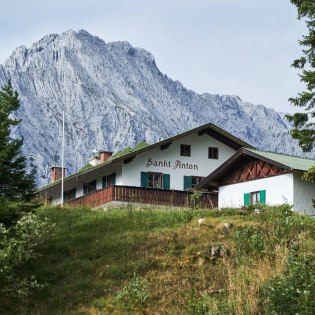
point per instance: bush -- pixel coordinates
(286, 224)
(293, 291)
(12, 211)
(17, 247)
(250, 242)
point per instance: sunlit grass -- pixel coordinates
(93, 255)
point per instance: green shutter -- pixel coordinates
(104, 181)
(262, 197)
(246, 199)
(65, 197)
(166, 181)
(144, 179)
(114, 179)
(187, 182)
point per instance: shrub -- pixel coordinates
(17, 247)
(188, 215)
(194, 199)
(12, 211)
(286, 224)
(249, 241)
(293, 291)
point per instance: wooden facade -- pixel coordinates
(251, 168)
(175, 198)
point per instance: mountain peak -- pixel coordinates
(115, 96)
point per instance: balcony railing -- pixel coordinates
(176, 198)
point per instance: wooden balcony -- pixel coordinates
(175, 198)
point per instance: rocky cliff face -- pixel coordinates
(114, 96)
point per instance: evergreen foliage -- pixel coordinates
(16, 183)
(303, 122)
(293, 291)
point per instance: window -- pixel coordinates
(213, 153)
(191, 181)
(89, 187)
(195, 180)
(255, 197)
(109, 180)
(69, 195)
(154, 180)
(185, 150)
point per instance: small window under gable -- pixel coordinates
(185, 150)
(213, 153)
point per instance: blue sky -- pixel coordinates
(237, 47)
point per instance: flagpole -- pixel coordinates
(62, 155)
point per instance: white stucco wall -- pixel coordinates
(303, 194)
(279, 189)
(200, 164)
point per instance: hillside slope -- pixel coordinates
(161, 261)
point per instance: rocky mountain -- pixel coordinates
(114, 96)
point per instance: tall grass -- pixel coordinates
(161, 261)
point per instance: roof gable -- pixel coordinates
(274, 163)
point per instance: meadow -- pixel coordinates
(161, 261)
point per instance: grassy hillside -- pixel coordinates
(140, 261)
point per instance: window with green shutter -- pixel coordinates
(255, 197)
(109, 180)
(187, 182)
(144, 179)
(246, 199)
(90, 187)
(262, 197)
(166, 181)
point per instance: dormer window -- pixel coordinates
(185, 150)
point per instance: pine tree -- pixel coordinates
(304, 122)
(16, 184)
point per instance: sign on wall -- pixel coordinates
(171, 164)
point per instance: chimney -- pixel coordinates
(105, 155)
(55, 173)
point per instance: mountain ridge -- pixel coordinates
(114, 96)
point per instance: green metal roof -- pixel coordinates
(293, 162)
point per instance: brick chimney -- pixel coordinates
(105, 155)
(55, 173)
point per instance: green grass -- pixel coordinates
(94, 257)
